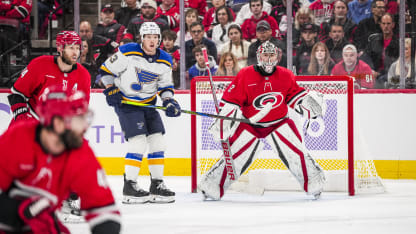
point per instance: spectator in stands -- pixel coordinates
(14, 25)
(359, 10)
(148, 13)
(125, 41)
(128, 10)
(199, 5)
(393, 76)
(321, 63)
(108, 26)
(87, 60)
(336, 42)
(171, 10)
(102, 47)
(44, 9)
(303, 52)
(219, 33)
(197, 33)
(168, 45)
(278, 12)
(264, 33)
(249, 25)
(228, 65)
(191, 15)
(303, 15)
(382, 50)
(369, 26)
(237, 45)
(340, 18)
(200, 68)
(350, 65)
(323, 10)
(210, 18)
(245, 11)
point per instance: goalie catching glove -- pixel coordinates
(172, 107)
(312, 105)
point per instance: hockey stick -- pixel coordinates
(225, 143)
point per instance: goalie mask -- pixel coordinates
(150, 28)
(267, 56)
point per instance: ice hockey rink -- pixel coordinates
(274, 212)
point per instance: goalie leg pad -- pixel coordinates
(244, 148)
(287, 142)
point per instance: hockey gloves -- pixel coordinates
(172, 107)
(113, 96)
(38, 214)
(19, 107)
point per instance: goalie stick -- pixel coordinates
(225, 143)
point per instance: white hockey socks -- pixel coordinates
(133, 160)
(156, 156)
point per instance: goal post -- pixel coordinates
(329, 140)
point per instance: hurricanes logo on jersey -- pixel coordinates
(144, 77)
(276, 98)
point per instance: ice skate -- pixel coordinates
(159, 193)
(133, 194)
(70, 211)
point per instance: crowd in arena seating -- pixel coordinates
(329, 37)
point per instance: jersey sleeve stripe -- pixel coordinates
(133, 53)
(295, 99)
(15, 91)
(167, 87)
(164, 61)
(104, 68)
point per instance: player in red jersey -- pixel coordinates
(255, 88)
(55, 160)
(351, 66)
(44, 71)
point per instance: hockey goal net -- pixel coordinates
(330, 140)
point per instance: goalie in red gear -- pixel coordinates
(44, 71)
(257, 88)
(55, 160)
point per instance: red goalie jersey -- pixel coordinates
(28, 171)
(251, 91)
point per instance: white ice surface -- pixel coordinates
(274, 212)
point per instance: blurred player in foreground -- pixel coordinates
(54, 161)
(138, 72)
(45, 71)
(273, 88)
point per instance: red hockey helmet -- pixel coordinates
(67, 38)
(57, 101)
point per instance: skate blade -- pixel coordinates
(70, 218)
(135, 200)
(161, 199)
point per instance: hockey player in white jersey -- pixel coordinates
(138, 73)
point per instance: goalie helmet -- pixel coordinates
(271, 62)
(57, 101)
(150, 28)
(68, 38)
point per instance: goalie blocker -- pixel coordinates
(253, 88)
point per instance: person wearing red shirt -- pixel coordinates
(209, 19)
(249, 25)
(200, 5)
(170, 9)
(350, 65)
(55, 160)
(47, 70)
(262, 93)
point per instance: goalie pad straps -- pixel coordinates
(244, 146)
(287, 142)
